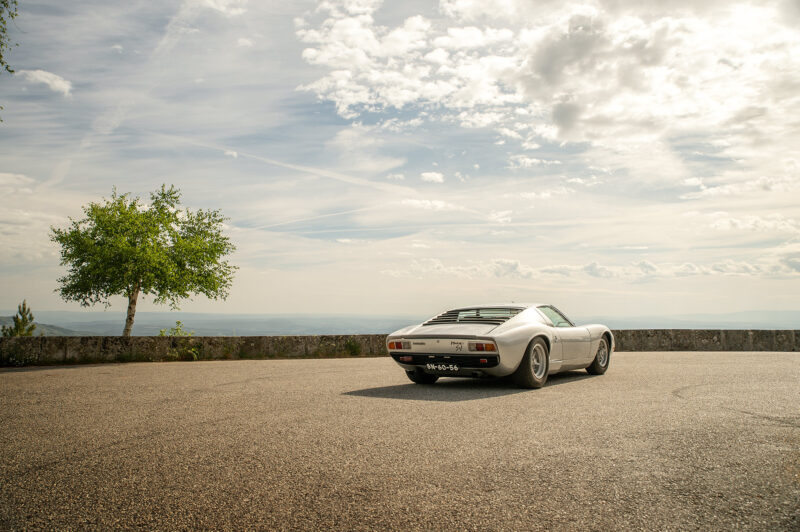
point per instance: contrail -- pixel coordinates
(382, 205)
(386, 187)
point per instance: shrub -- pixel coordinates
(178, 330)
(181, 351)
(352, 347)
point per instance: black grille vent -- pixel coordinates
(489, 315)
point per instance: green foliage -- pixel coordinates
(178, 330)
(23, 322)
(19, 356)
(181, 351)
(123, 247)
(8, 12)
(352, 347)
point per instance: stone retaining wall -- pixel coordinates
(706, 340)
(83, 349)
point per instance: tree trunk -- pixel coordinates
(132, 297)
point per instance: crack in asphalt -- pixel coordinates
(789, 421)
(678, 392)
(77, 457)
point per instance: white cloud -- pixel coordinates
(561, 270)
(511, 268)
(647, 267)
(360, 148)
(760, 184)
(590, 181)
(687, 269)
(231, 153)
(395, 124)
(410, 36)
(422, 268)
(395, 177)
(431, 205)
(11, 183)
(439, 56)
(228, 8)
(773, 222)
(244, 42)
(523, 161)
(500, 217)
(472, 37)
(792, 262)
(625, 82)
(469, 10)
(596, 270)
(546, 193)
(432, 177)
(730, 267)
(53, 81)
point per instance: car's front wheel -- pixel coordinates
(601, 360)
(532, 371)
(420, 377)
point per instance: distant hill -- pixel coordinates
(45, 329)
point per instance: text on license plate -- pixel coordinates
(442, 367)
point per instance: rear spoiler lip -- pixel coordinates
(443, 337)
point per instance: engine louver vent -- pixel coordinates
(475, 315)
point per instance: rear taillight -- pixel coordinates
(399, 345)
(482, 346)
(406, 358)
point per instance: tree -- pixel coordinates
(8, 12)
(123, 247)
(23, 322)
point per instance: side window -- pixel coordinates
(558, 319)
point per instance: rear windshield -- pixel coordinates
(488, 313)
(495, 315)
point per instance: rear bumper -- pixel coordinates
(462, 361)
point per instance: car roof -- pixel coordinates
(502, 305)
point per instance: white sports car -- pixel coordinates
(526, 341)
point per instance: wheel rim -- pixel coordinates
(538, 361)
(602, 353)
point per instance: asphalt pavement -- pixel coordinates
(663, 441)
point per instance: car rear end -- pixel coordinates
(446, 357)
(456, 343)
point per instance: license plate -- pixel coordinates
(442, 367)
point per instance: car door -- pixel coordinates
(574, 340)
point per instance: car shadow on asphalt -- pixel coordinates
(455, 389)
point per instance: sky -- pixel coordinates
(610, 157)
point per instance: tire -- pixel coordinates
(601, 360)
(420, 377)
(532, 371)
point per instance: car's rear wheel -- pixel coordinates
(532, 371)
(420, 377)
(601, 360)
